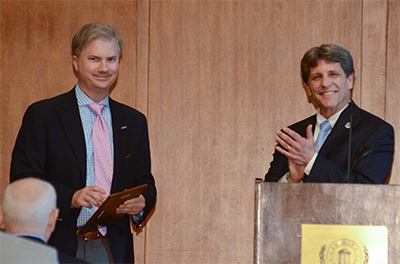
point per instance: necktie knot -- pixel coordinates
(325, 126)
(96, 108)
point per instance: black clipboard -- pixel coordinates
(106, 215)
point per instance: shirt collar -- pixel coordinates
(83, 99)
(29, 235)
(333, 119)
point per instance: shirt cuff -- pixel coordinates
(310, 164)
(284, 177)
(138, 218)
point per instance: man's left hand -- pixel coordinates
(132, 206)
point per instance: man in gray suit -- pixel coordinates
(29, 213)
(29, 210)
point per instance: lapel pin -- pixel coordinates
(124, 127)
(347, 125)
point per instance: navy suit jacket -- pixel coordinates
(371, 158)
(51, 145)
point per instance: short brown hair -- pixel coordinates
(94, 31)
(326, 52)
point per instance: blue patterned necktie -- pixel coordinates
(323, 134)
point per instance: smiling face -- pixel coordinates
(97, 67)
(329, 86)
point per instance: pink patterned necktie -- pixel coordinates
(103, 165)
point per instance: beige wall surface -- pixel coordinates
(215, 79)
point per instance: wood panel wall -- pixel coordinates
(215, 79)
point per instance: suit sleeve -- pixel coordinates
(371, 162)
(278, 168)
(144, 173)
(30, 158)
(29, 155)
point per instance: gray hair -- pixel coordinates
(28, 204)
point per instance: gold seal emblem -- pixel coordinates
(344, 251)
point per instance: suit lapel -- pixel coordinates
(120, 136)
(340, 131)
(71, 121)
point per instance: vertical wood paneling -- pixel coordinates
(393, 81)
(224, 76)
(141, 102)
(373, 69)
(216, 79)
(3, 163)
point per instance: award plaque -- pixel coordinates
(105, 215)
(339, 244)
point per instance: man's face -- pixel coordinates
(97, 67)
(329, 87)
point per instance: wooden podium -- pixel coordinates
(282, 208)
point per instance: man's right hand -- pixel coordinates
(88, 196)
(297, 149)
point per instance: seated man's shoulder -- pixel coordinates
(33, 252)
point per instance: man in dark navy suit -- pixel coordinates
(29, 211)
(316, 148)
(56, 143)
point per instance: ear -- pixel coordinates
(307, 88)
(75, 62)
(350, 81)
(52, 221)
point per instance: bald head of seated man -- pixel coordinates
(29, 210)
